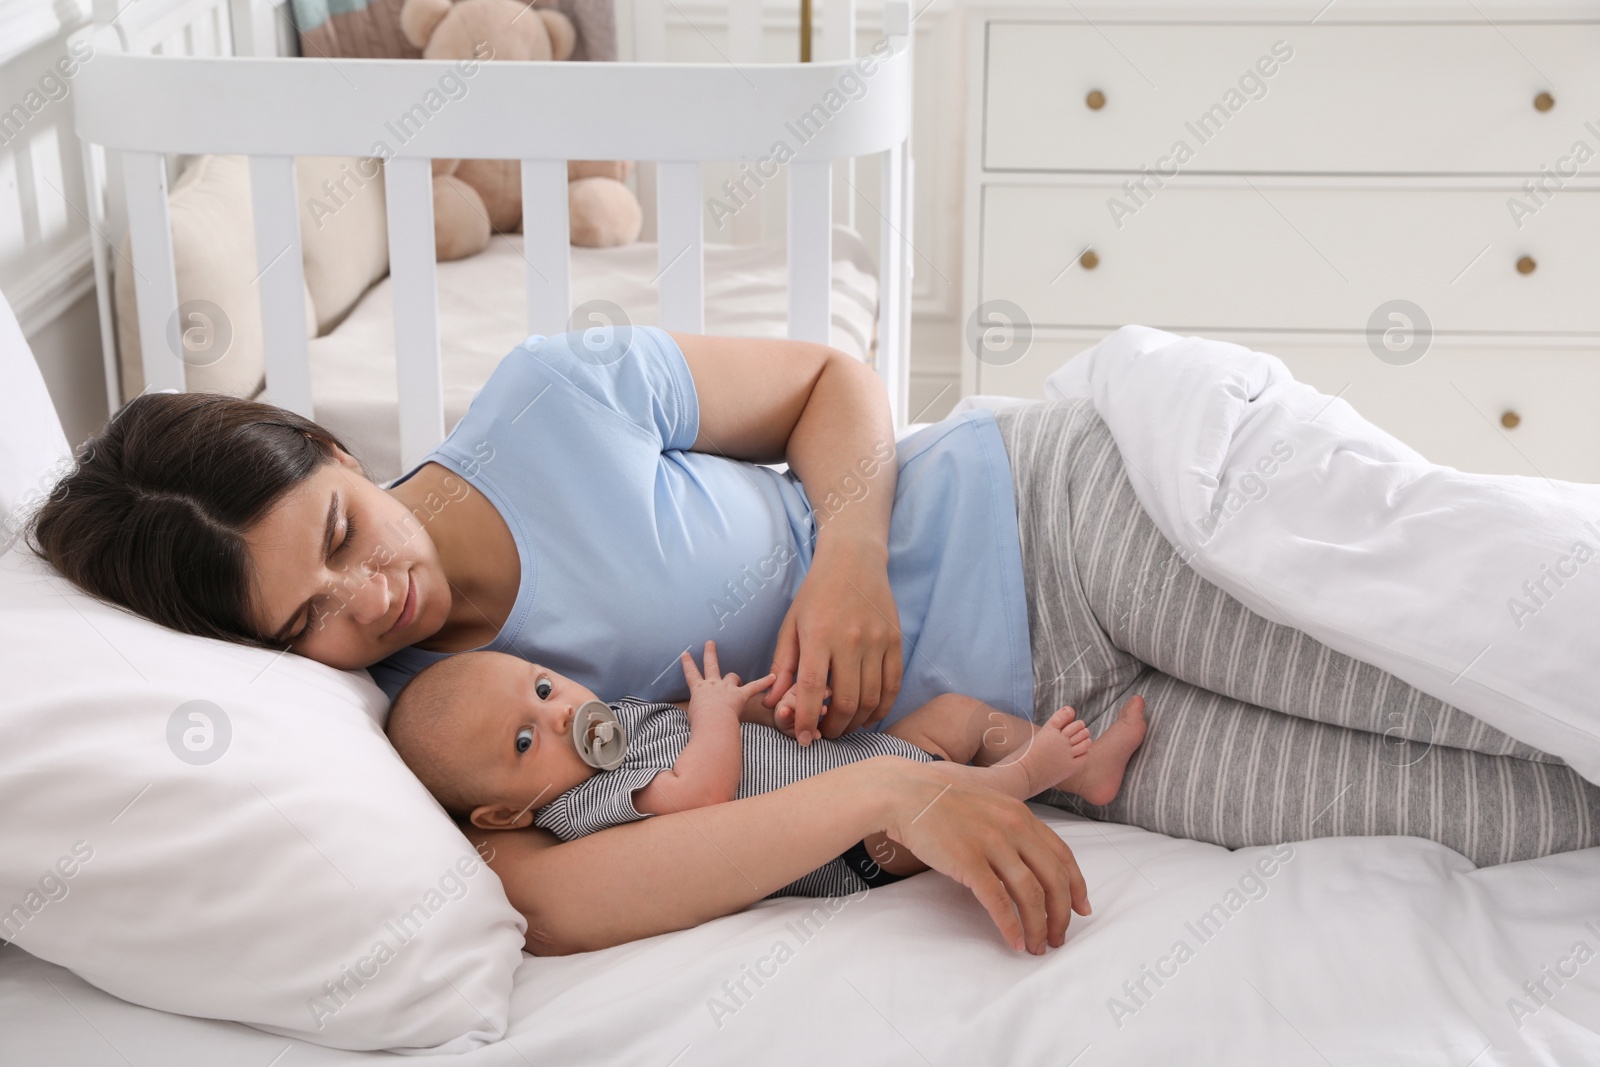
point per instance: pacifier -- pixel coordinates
(597, 735)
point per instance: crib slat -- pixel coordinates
(839, 42)
(546, 236)
(810, 250)
(27, 193)
(92, 160)
(144, 184)
(739, 111)
(408, 185)
(70, 152)
(894, 275)
(839, 31)
(680, 246)
(281, 279)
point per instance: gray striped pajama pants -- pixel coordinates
(1258, 733)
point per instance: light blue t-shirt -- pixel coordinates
(634, 548)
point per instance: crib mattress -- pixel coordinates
(482, 316)
(1350, 951)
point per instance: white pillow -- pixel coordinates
(214, 263)
(225, 832)
(344, 232)
(344, 243)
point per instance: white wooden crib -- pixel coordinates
(136, 107)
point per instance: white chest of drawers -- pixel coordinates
(1346, 193)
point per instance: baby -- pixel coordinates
(503, 743)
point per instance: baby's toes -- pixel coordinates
(1061, 719)
(1078, 734)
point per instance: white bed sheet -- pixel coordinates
(482, 316)
(1355, 951)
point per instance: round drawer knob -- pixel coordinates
(1544, 102)
(1097, 100)
(1510, 420)
(1089, 260)
(1527, 265)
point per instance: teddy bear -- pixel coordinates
(474, 197)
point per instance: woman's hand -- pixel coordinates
(1022, 873)
(841, 635)
(827, 414)
(681, 869)
(782, 716)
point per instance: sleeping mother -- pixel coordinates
(603, 506)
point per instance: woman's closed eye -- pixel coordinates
(349, 534)
(313, 614)
(314, 620)
(524, 739)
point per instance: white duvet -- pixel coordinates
(1338, 951)
(1482, 590)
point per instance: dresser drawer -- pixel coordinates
(1371, 99)
(1214, 254)
(1448, 406)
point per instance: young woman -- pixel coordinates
(602, 507)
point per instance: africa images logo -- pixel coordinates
(199, 732)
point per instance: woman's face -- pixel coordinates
(344, 574)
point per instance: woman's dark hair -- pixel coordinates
(152, 516)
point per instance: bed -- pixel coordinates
(1353, 951)
(1340, 950)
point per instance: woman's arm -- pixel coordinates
(671, 872)
(827, 415)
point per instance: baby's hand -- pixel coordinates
(783, 716)
(716, 693)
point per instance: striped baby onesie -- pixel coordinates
(657, 733)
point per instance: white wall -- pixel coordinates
(938, 147)
(68, 351)
(46, 271)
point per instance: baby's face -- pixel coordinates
(518, 735)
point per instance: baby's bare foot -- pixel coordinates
(1099, 775)
(1057, 750)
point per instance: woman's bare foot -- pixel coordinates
(1099, 776)
(1057, 750)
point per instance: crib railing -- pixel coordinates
(678, 115)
